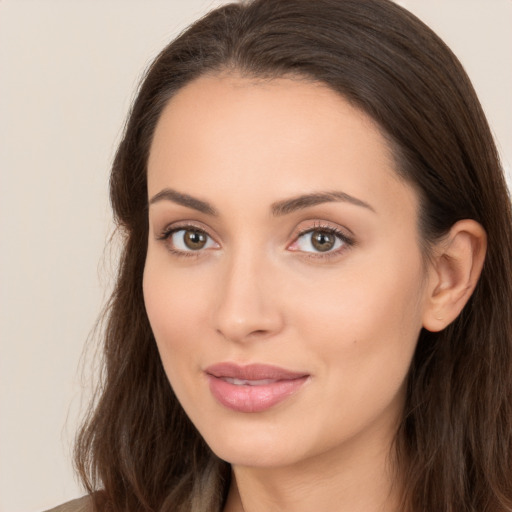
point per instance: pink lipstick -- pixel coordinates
(252, 388)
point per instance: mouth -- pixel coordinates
(243, 382)
(253, 388)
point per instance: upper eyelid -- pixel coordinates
(177, 226)
(338, 233)
(319, 225)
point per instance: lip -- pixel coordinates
(252, 388)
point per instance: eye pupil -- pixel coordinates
(322, 240)
(194, 239)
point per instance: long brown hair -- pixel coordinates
(455, 441)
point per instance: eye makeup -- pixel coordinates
(320, 240)
(325, 240)
(194, 241)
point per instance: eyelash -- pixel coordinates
(169, 231)
(346, 240)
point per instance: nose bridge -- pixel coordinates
(246, 307)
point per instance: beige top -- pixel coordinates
(83, 504)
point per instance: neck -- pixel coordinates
(356, 478)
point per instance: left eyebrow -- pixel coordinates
(305, 201)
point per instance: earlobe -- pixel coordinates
(455, 269)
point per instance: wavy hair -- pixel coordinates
(454, 443)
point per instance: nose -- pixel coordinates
(246, 308)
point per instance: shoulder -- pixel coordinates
(83, 504)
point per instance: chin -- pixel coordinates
(255, 457)
(254, 447)
(262, 444)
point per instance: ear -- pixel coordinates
(454, 271)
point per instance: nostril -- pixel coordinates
(231, 335)
(258, 332)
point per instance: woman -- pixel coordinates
(313, 307)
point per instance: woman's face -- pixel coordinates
(284, 281)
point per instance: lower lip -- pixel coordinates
(247, 398)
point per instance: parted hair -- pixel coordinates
(137, 450)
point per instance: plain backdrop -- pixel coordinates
(68, 71)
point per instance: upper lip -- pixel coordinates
(252, 372)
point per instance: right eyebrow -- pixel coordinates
(168, 194)
(305, 201)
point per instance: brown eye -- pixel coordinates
(190, 239)
(323, 240)
(320, 240)
(194, 239)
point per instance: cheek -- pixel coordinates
(174, 307)
(366, 320)
(356, 304)
(362, 329)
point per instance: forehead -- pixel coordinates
(269, 139)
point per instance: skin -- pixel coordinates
(259, 291)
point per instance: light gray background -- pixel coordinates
(68, 70)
